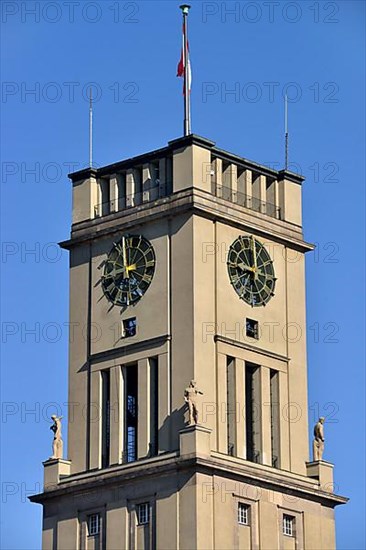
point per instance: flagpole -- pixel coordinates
(286, 134)
(90, 129)
(187, 99)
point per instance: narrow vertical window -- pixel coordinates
(243, 513)
(213, 175)
(121, 183)
(153, 192)
(138, 185)
(256, 192)
(288, 525)
(275, 420)
(230, 402)
(252, 412)
(271, 197)
(105, 196)
(154, 399)
(241, 187)
(155, 173)
(131, 413)
(145, 527)
(226, 181)
(169, 175)
(93, 525)
(143, 513)
(105, 418)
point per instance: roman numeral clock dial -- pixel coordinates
(251, 271)
(129, 270)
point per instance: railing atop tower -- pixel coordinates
(250, 202)
(186, 163)
(158, 192)
(124, 202)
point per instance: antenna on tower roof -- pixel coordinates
(90, 128)
(286, 133)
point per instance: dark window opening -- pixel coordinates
(275, 419)
(154, 399)
(155, 173)
(105, 418)
(129, 327)
(252, 328)
(131, 413)
(230, 404)
(252, 421)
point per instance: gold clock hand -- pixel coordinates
(254, 258)
(125, 268)
(244, 267)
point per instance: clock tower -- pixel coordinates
(187, 264)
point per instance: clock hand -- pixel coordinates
(125, 268)
(243, 267)
(254, 258)
(266, 275)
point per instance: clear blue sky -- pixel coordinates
(314, 50)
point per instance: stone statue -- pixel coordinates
(318, 442)
(190, 397)
(57, 444)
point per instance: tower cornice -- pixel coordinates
(197, 202)
(171, 464)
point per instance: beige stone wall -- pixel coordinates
(151, 311)
(190, 320)
(78, 354)
(190, 511)
(281, 346)
(191, 299)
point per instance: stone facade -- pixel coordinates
(230, 481)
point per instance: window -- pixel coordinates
(106, 432)
(155, 173)
(154, 411)
(105, 197)
(231, 405)
(275, 418)
(143, 513)
(130, 377)
(93, 524)
(129, 327)
(288, 525)
(252, 418)
(252, 328)
(243, 513)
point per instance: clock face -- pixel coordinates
(251, 271)
(129, 270)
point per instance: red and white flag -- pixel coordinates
(185, 63)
